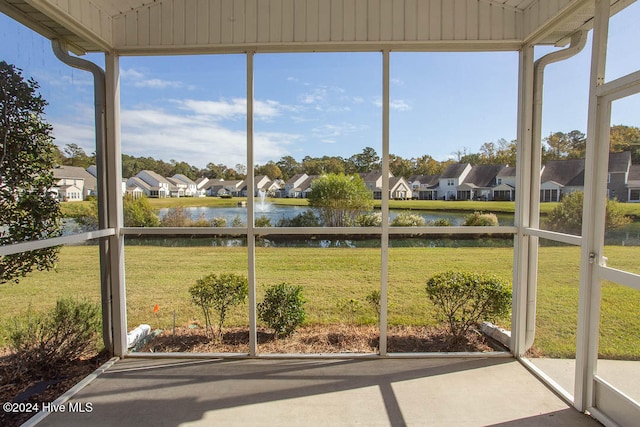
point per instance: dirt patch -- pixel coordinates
(325, 339)
(44, 387)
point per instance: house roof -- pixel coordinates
(154, 175)
(396, 181)
(184, 179)
(135, 181)
(175, 26)
(427, 180)
(454, 170)
(563, 172)
(506, 172)
(75, 172)
(483, 175)
(619, 162)
(634, 173)
(295, 178)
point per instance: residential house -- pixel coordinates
(307, 185)
(190, 187)
(373, 181)
(424, 187)
(292, 186)
(68, 193)
(159, 186)
(215, 187)
(201, 184)
(451, 178)
(137, 188)
(176, 188)
(234, 187)
(505, 188)
(399, 188)
(560, 177)
(77, 177)
(633, 184)
(478, 184)
(619, 165)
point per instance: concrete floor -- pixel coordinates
(317, 392)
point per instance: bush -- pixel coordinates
(218, 222)
(566, 217)
(64, 334)
(220, 293)
(263, 221)
(373, 219)
(462, 300)
(138, 212)
(305, 219)
(440, 222)
(283, 308)
(481, 219)
(373, 298)
(176, 217)
(351, 307)
(407, 219)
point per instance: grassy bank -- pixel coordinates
(331, 277)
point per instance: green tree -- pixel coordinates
(566, 217)
(28, 209)
(340, 198)
(76, 156)
(139, 213)
(366, 161)
(400, 167)
(269, 169)
(289, 167)
(626, 138)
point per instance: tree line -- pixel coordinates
(556, 146)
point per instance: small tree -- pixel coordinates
(566, 217)
(139, 213)
(462, 299)
(219, 293)
(481, 219)
(283, 308)
(340, 198)
(28, 208)
(371, 219)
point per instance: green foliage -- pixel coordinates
(407, 219)
(340, 198)
(566, 217)
(373, 298)
(371, 219)
(349, 306)
(283, 308)
(440, 222)
(41, 341)
(176, 217)
(237, 222)
(305, 219)
(219, 293)
(263, 221)
(28, 209)
(462, 300)
(218, 222)
(481, 219)
(139, 213)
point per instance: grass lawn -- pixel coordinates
(331, 277)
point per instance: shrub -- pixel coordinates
(41, 341)
(263, 221)
(566, 217)
(283, 308)
(176, 217)
(305, 219)
(218, 222)
(220, 293)
(462, 299)
(373, 298)
(350, 307)
(373, 219)
(237, 222)
(202, 221)
(407, 219)
(440, 222)
(481, 219)
(138, 212)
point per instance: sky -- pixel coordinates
(193, 108)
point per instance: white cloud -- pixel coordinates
(329, 132)
(394, 104)
(139, 79)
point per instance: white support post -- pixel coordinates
(593, 217)
(113, 160)
(523, 202)
(384, 238)
(251, 241)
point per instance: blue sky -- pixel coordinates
(192, 108)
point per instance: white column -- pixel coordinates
(593, 217)
(114, 203)
(522, 218)
(251, 241)
(384, 238)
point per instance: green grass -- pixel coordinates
(163, 275)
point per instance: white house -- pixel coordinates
(159, 186)
(451, 178)
(292, 186)
(189, 186)
(77, 177)
(633, 184)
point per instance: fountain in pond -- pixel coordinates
(262, 205)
